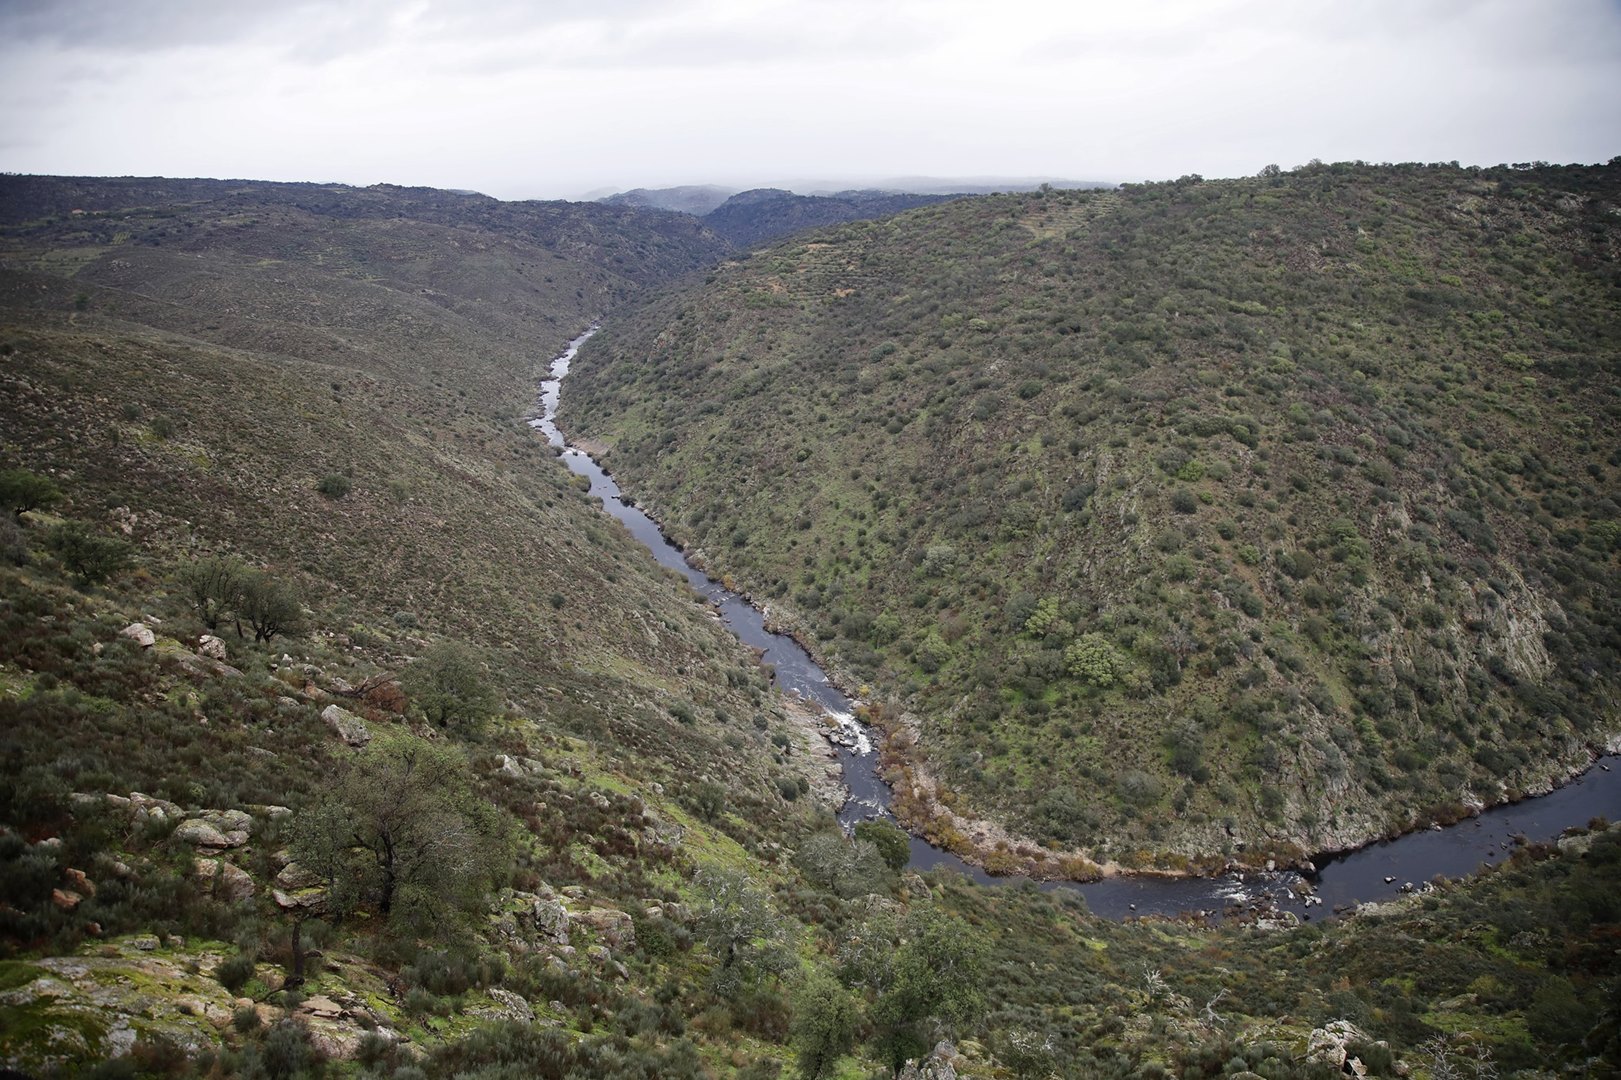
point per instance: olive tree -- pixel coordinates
(736, 921)
(449, 686)
(823, 1026)
(404, 830)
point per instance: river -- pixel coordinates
(1377, 872)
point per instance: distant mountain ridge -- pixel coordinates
(694, 199)
(754, 216)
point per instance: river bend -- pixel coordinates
(1376, 872)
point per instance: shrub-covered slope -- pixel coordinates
(1276, 511)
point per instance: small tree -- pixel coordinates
(934, 980)
(403, 829)
(269, 606)
(823, 1026)
(736, 922)
(22, 491)
(89, 558)
(448, 685)
(215, 586)
(844, 867)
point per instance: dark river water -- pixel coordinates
(1357, 877)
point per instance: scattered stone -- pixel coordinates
(144, 942)
(141, 634)
(599, 800)
(79, 882)
(348, 727)
(66, 899)
(212, 647)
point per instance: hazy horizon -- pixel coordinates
(568, 98)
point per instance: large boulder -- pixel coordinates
(224, 881)
(298, 889)
(551, 919)
(507, 1006)
(200, 834)
(141, 634)
(348, 727)
(228, 821)
(1330, 1045)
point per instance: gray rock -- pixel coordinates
(199, 833)
(294, 877)
(348, 727)
(224, 881)
(141, 634)
(508, 1006)
(228, 821)
(212, 647)
(614, 927)
(145, 808)
(551, 919)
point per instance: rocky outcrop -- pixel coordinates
(75, 1012)
(615, 928)
(941, 1064)
(141, 634)
(298, 889)
(1331, 1043)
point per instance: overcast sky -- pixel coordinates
(555, 98)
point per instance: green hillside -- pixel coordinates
(462, 785)
(1274, 513)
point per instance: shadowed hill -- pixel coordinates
(754, 217)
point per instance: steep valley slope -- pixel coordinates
(1272, 514)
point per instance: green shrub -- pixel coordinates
(334, 485)
(234, 971)
(1092, 659)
